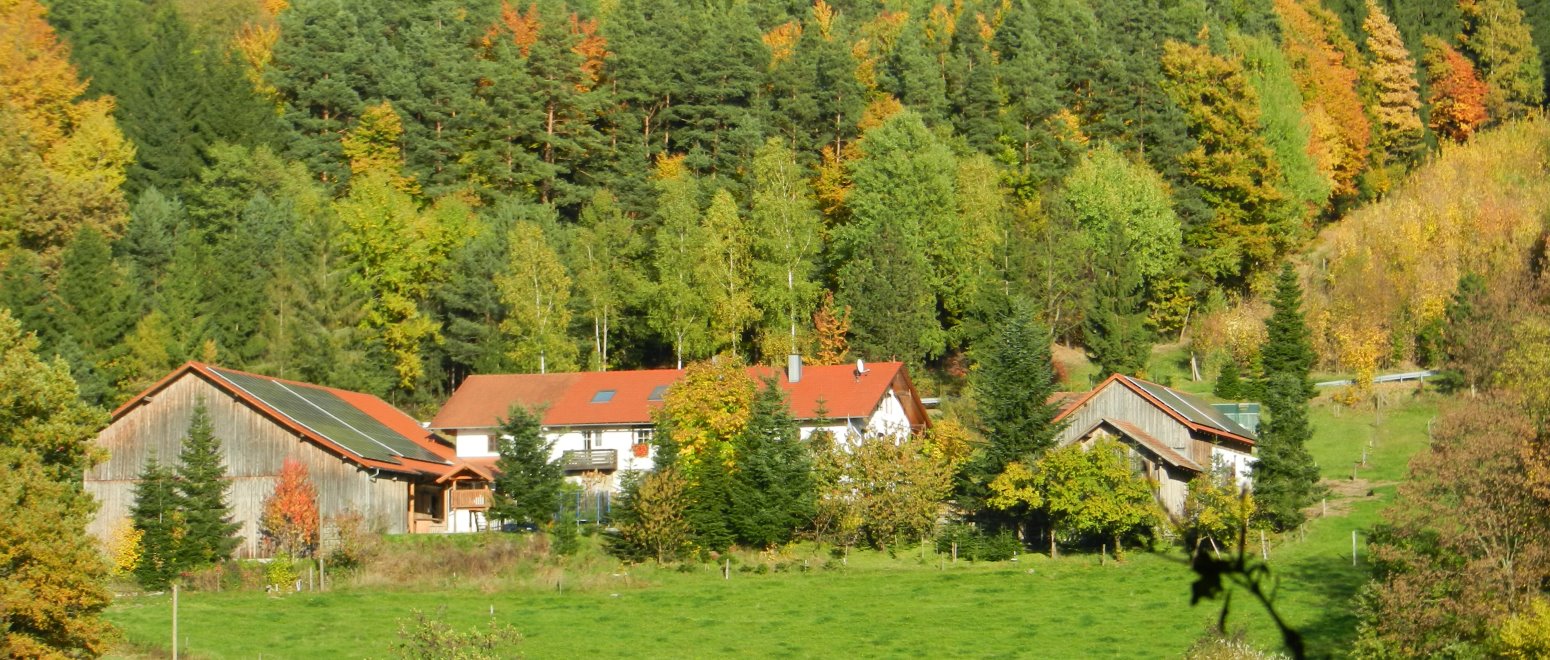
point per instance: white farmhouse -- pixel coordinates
(600, 421)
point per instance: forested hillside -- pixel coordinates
(389, 196)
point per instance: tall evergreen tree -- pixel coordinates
(1285, 476)
(529, 485)
(1288, 349)
(888, 290)
(1012, 381)
(772, 490)
(23, 291)
(157, 513)
(210, 535)
(94, 309)
(1115, 328)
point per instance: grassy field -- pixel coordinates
(877, 606)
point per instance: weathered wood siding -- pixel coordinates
(1169, 484)
(1119, 402)
(254, 446)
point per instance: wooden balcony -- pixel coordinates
(472, 498)
(590, 460)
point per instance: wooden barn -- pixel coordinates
(363, 454)
(1173, 436)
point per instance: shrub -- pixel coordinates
(281, 574)
(1215, 645)
(566, 537)
(975, 545)
(356, 543)
(124, 547)
(430, 638)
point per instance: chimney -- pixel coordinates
(794, 368)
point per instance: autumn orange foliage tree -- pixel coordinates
(1326, 67)
(1457, 95)
(290, 516)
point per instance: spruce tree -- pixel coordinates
(1228, 384)
(23, 291)
(202, 486)
(1115, 327)
(1012, 382)
(157, 514)
(772, 493)
(1288, 349)
(529, 485)
(1285, 476)
(887, 288)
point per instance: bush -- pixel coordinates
(975, 545)
(566, 538)
(281, 574)
(1217, 646)
(431, 638)
(356, 543)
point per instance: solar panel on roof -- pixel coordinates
(326, 414)
(1193, 409)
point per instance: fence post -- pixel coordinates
(174, 621)
(1353, 547)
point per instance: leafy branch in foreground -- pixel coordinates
(1216, 574)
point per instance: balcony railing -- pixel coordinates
(473, 498)
(588, 460)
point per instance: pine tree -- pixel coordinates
(157, 513)
(46, 447)
(94, 309)
(24, 293)
(1285, 476)
(1229, 385)
(772, 492)
(1496, 34)
(887, 288)
(202, 486)
(1394, 76)
(530, 482)
(1115, 328)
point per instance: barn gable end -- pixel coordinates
(254, 446)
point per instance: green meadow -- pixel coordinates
(807, 603)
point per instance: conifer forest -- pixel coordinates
(388, 196)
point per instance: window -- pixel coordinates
(591, 439)
(495, 444)
(643, 435)
(656, 393)
(603, 396)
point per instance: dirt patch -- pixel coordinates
(1343, 494)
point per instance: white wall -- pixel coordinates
(473, 444)
(1240, 463)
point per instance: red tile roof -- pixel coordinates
(371, 406)
(488, 399)
(567, 399)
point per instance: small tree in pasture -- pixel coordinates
(290, 516)
(651, 515)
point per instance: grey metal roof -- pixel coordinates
(1192, 408)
